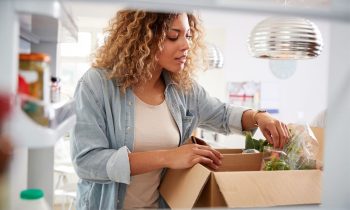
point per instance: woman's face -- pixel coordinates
(176, 45)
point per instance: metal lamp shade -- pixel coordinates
(215, 57)
(285, 38)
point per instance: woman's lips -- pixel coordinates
(181, 59)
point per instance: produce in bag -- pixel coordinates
(301, 148)
(298, 154)
(273, 159)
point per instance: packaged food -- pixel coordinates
(274, 159)
(302, 148)
(32, 199)
(34, 69)
(55, 90)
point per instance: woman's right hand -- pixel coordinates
(188, 155)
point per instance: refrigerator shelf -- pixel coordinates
(25, 132)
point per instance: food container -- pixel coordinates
(34, 69)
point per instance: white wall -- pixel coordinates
(304, 92)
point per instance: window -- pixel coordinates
(82, 48)
(75, 60)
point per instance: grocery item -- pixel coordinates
(32, 199)
(302, 148)
(37, 111)
(252, 143)
(274, 159)
(276, 164)
(55, 90)
(298, 154)
(35, 71)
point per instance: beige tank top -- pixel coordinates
(155, 129)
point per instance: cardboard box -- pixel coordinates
(319, 134)
(240, 183)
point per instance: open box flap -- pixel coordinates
(319, 134)
(241, 162)
(269, 188)
(181, 188)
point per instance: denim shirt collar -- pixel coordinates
(167, 78)
(165, 74)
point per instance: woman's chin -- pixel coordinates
(176, 70)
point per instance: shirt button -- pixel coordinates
(128, 128)
(130, 103)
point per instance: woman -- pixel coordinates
(138, 105)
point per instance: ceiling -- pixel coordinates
(95, 14)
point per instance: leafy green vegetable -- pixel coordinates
(276, 164)
(251, 143)
(298, 151)
(307, 164)
(296, 154)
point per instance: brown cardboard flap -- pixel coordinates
(230, 151)
(319, 134)
(270, 188)
(181, 188)
(241, 162)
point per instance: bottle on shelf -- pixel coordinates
(55, 90)
(32, 199)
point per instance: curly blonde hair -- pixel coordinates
(134, 38)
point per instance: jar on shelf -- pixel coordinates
(34, 68)
(32, 199)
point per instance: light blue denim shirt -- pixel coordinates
(104, 133)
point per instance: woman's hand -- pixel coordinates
(188, 155)
(275, 132)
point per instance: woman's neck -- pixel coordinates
(155, 82)
(152, 92)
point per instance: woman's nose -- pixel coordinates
(185, 44)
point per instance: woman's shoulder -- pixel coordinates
(196, 87)
(97, 81)
(94, 76)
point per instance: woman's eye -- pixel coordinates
(189, 38)
(172, 38)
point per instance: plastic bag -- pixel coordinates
(274, 159)
(302, 148)
(298, 154)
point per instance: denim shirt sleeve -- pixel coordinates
(215, 115)
(92, 155)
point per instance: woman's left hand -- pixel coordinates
(275, 132)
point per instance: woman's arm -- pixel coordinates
(92, 155)
(224, 118)
(181, 157)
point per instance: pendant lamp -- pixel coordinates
(215, 57)
(285, 38)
